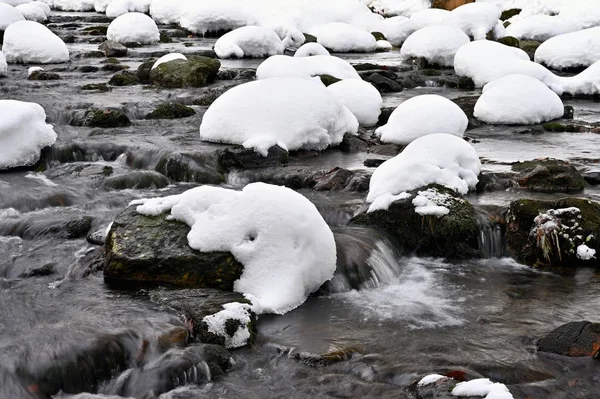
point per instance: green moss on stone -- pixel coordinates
(103, 87)
(171, 111)
(124, 79)
(507, 14)
(509, 41)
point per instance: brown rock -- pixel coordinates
(449, 4)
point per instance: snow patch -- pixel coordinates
(475, 19)
(32, 12)
(430, 379)
(585, 253)
(249, 41)
(241, 312)
(3, 65)
(8, 15)
(133, 27)
(433, 203)
(482, 387)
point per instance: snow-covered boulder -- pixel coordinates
(32, 42)
(8, 15)
(475, 19)
(383, 45)
(518, 99)
(399, 7)
(576, 49)
(251, 42)
(165, 11)
(340, 37)
(438, 158)
(423, 115)
(279, 66)
(23, 133)
(133, 27)
(117, 8)
(100, 5)
(32, 12)
(290, 112)
(285, 246)
(3, 66)
(540, 27)
(201, 17)
(73, 5)
(14, 3)
(310, 49)
(169, 57)
(436, 44)
(429, 17)
(397, 29)
(360, 97)
(45, 7)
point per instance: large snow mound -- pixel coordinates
(249, 41)
(32, 42)
(310, 49)
(117, 8)
(539, 27)
(435, 158)
(8, 15)
(32, 12)
(291, 112)
(436, 44)
(576, 49)
(429, 17)
(287, 249)
(305, 67)
(73, 5)
(422, 115)
(360, 97)
(23, 133)
(518, 99)
(165, 11)
(133, 27)
(344, 38)
(475, 19)
(397, 29)
(3, 66)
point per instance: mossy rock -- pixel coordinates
(114, 67)
(507, 14)
(88, 68)
(328, 79)
(510, 41)
(105, 118)
(308, 38)
(194, 72)
(549, 176)
(378, 36)
(43, 75)
(210, 95)
(171, 111)
(164, 38)
(453, 236)
(111, 60)
(143, 71)
(152, 249)
(431, 72)
(529, 46)
(200, 168)
(537, 243)
(102, 87)
(561, 127)
(124, 78)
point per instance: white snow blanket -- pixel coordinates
(423, 115)
(341, 37)
(476, 19)
(518, 99)
(576, 49)
(8, 15)
(540, 27)
(360, 97)
(133, 27)
(439, 158)
(279, 66)
(255, 42)
(23, 133)
(287, 249)
(310, 49)
(429, 17)
(116, 8)
(436, 44)
(290, 112)
(32, 42)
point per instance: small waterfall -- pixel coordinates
(492, 233)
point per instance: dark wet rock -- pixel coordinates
(197, 364)
(334, 180)
(384, 116)
(549, 232)
(43, 75)
(592, 177)
(386, 149)
(165, 38)
(509, 41)
(309, 38)
(562, 127)
(449, 4)
(549, 176)
(210, 95)
(143, 71)
(104, 118)
(466, 83)
(124, 78)
(116, 68)
(329, 358)
(153, 249)
(133, 44)
(196, 304)
(171, 110)
(507, 14)
(371, 67)
(67, 39)
(378, 36)
(191, 167)
(88, 69)
(529, 46)
(195, 72)
(137, 179)
(574, 339)
(96, 237)
(238, 157)
(383, 84)
(467, 104)
(34, 225)
(96, 30)
(353, 143)
(93, 54)
(491, 181)
(569, 112)
(451, 236)
(101, 87)
(441, 389)
(359, 182)
(113, 49)
(45, 270)
(373, 162)
(328, 79)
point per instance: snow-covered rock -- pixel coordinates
(279, 66)
(31, 70)
(585, 253)
(169, 57)
(100, 5)
(341, 37)
(422, 115)
(23, 133)
(8, 15)
(518, 99)
(439, 158)
(475, 19)
(166, 11)
(14, 3)
(290, 112)
(399, 7)
(3, 66)
(310, 49)
(32, 42)
(482, 387)
(383, 45)
(207, 16)
(117, 8)
(253, 42)
(429, 17)
(241, 312)
(397, 29)
(32, 12)
(73, 5)
(436, 44)
(539, 27)
(133, 27)
(45, 7)
(576, 49)
(360, 97)
(287, 249)
(430, 379)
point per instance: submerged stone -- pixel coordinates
(105, 118)
(113, 49)
(194, 72)
(575, 339)
(549, 176)
(143, 71)
(171, 110)
(137, 179)
(124, 78)
(239, 157)
(43, 75)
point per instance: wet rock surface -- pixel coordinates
(549, 176)
(575, 339)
